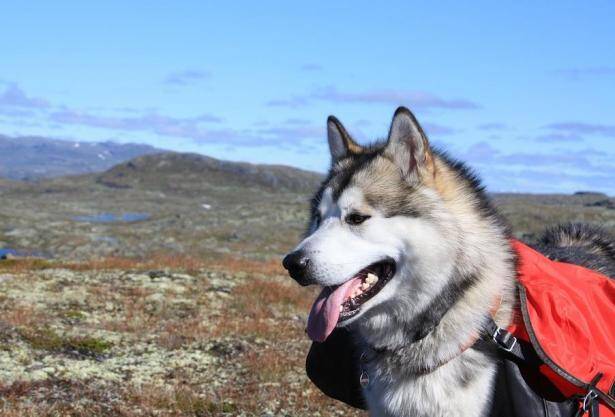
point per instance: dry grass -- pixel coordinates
(21, 265)
(188, 263)
(21, 315)
(254, 329)
(59, 398)
(261, 294)
(267, 308)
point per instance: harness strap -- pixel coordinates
(509, 344)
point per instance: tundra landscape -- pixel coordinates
(155, 288)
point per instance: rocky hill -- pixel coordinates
(169, 202)
(183, 171)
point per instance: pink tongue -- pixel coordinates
(326, 310)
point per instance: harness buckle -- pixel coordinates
(504, 338)
(364, 378)
(589, 399)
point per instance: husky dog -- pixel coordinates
(412, 257)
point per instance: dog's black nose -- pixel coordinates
(296, 263)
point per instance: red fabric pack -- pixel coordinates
(568, 315)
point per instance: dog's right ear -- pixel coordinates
(340, 142)
(407, 145)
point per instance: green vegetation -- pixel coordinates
(47, 339)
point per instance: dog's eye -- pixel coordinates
(356, 218)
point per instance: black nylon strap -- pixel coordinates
(509, 344)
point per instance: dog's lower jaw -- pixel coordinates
(461, 387)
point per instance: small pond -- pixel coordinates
(113, 218)
(7, 251)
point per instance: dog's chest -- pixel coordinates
(452, 391)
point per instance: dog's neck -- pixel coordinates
(442, 328)
(428, 332)
(425, 325)
(406, 376)
(370, 353)
(434, 337)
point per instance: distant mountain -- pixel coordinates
(191, 171)
(29, 157)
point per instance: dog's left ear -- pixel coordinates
(341, 143)
(407, 145)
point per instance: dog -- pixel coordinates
(411, 256)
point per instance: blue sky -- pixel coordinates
(524, 92)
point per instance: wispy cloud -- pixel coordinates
(560, 137)
(587, 72)
(195, 128)
(15, 103)
(152, 121)
(188, 127)
(583, 128)
(14, 96)
(17, 112)
(186, 77)
(311, 67)
(541, 180)
(581, 163)
(415, 99)
(363, 123)
(480, 152)
(296, 121)
(494, 126)
(568, 159)
(484, 153)
(541, 171)
(292, 133)
(292, 102)
(437, 129)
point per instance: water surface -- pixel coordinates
(7, 251)
(128, 217)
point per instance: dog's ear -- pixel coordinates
(340, 142)
(407, 145)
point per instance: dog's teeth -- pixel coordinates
(341, 307)
(371, 278)
(365, 286)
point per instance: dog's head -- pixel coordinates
(378, 239)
